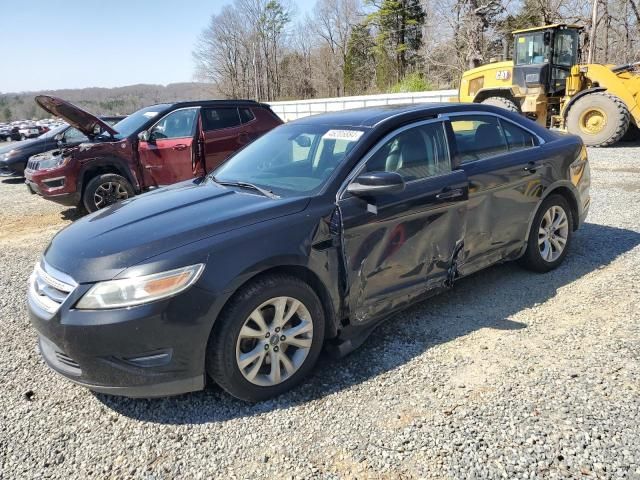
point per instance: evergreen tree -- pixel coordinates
(398, 41)
(359, 68)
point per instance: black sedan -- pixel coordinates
(14, 156)
(308, 237)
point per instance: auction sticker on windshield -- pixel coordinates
(349, 135)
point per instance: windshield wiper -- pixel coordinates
(266, 193)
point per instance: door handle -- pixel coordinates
(530, 168)
(244, 137)
(452, 194)
(150, 167)
(180, 146)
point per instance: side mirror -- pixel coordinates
(144, 136)
(59, 137)
(376, 183)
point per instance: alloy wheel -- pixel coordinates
(109, 193)
(553, 233)
(274, 341)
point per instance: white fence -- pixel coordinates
(303, 108)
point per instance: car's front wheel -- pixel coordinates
(267, 339)
(550, 235)
(104, 190)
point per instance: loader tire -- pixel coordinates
(502, 102)
(599, 118)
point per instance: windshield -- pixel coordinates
(54, 131)
(531, 49)
(291, 159)
(137, 119)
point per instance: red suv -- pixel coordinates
(157, 145)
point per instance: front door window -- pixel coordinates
(179, 124)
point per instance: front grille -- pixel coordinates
(48, 288)
(33, 164)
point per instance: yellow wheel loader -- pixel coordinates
(546, 82)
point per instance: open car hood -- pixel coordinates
(87, 123)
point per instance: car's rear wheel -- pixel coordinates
(267, 339)
(550, 236)
(104, 190)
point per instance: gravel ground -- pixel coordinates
(510, 375)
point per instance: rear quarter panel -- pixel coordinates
(563, 174)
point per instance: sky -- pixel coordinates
(54, 44)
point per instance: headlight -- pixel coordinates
(53, 162)
(137, 290)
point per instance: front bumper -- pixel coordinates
(151, 350)
(64, 365)
(51, 188)
(12, 170)
(57, 185)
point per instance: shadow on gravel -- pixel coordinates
(484, 300)
(13, 180)
(71, 214)
(625, 144)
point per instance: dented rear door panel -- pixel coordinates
(397, 247)
(503, 194)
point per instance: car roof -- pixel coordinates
(215, 103)
(369, 117)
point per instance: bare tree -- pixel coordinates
(333, 22)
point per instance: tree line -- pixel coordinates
(103, 101)
(259, 49)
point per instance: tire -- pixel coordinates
(600, 119)
(502, 102)
(534, 257)
(109, 186)
(226, 344)
(23, 137)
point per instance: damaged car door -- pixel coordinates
(168, 148)
(398, 243)
(504, 188)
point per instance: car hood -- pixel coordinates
(87, 123)
(101, 245)
(16, 145)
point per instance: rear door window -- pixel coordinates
(246, 115)
(517, 138)
(478, 137)
(219, 118)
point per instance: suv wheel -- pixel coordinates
(550, 235)
(104, 190)
(267, 339)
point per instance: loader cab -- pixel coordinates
(543, 57)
